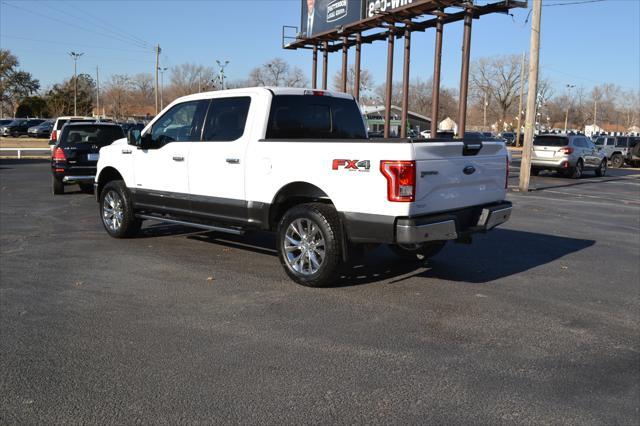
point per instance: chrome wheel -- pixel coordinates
(113, 211)
(304, 246)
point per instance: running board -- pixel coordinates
(233, 231)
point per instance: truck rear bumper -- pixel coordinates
(452, 225)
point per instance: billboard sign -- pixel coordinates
(373, 6)
(319, 16)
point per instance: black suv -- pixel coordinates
(75, 155)
(19, 127)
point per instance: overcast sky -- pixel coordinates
(582, 44)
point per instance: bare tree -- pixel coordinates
(117, 96)
(143, 90)
(366, 81)
(187, 79)
(277, 72)
(497, 79)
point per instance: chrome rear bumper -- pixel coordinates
(78, 179)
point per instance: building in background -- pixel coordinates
(374, 117)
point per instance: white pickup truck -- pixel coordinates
(299, 162)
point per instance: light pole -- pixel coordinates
(75, 57)
(566, 117)
(222, 67)
(162, 70)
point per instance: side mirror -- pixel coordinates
(133, 137)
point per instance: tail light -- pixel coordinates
(566, 150)
(401, 180)
(506, 178)
(59, 155)
(54, 135)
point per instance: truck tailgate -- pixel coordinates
(450, 177)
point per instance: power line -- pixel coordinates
(125, 38)
(111, 27)
(50, 18)
(72, 43)
(573, 3)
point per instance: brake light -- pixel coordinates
(401, 180)
(566, 150)
(316, 93)
(59, 155)
(54, 135)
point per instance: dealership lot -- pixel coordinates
(536, 322)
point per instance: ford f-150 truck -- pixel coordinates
(299, 162)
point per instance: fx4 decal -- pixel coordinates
(352, 165)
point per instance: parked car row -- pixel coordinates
(51, 128)
(19, 126)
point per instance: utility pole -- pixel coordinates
(534, 62)
(162, 70)
(75, 57)
(566, 117)
(98, 91)
(520, 102)
(158, 50)
(222, 67)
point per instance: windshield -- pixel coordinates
(314, 117)
(550, 141)
(90, 134)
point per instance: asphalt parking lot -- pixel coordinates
(535, 323)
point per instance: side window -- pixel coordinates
(226, 119)
(182, 123)
(600, 141)
(621, 142)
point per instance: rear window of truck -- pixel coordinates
(550, 141)
(314, 117)
(90, 134)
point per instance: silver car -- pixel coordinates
(567, 154)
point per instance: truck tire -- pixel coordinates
(57, 187)
(419, 252)
(116, 211)
(602, 168)
(310, 244)
(617, 161)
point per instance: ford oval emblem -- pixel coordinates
(469, 170)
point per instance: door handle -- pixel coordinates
(233, 160)
(126, 151)
(178, 158)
